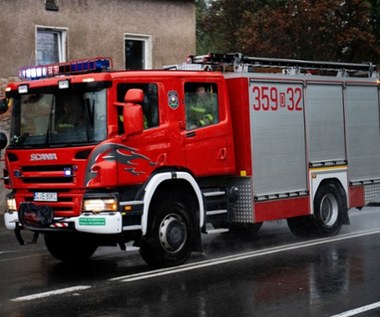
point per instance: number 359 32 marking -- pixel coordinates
(272, 99)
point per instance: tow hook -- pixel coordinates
(20, 239)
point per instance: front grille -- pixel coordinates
(59, 180)
(48, 174)
(45, 168)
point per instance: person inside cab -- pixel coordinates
(201, 108)
(71, 114)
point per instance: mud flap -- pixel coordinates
(346, 219)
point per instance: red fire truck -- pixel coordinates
(158, 157)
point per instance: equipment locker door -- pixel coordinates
(325, 124)
(278, 138)
(363, 130)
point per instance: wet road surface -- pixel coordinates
(271, 273)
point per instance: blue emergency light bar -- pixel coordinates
(80, 66)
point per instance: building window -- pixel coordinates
(50, 5)
(50, 45)
(137, 52)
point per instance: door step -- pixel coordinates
(216, 212)
(219, 230)
(216, 203)
(210, 229)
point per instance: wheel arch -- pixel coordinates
(320, 180)
(320, 177)
(343, 191)
(179, 183)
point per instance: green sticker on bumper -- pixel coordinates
(92, 221)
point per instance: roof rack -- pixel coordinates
(240, 62)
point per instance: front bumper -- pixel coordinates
(100, 223)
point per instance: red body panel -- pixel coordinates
(280, 209)
(239, 99)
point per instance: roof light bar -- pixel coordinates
(80, 66)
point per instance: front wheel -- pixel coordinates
(170, 236)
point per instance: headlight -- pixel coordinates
(99, 204)
(11, 203)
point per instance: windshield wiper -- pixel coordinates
(47, 139)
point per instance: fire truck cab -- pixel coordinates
(158, 157)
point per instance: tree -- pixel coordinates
(375, 18)
(220, 21)
(203, 40)
(306, 29)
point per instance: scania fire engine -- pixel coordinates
(159, 157)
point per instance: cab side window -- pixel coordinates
(201, 103)
(149, 105)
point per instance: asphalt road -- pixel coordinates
(272, 273)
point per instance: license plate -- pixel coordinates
(42, 196)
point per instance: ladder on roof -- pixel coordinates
(239, 62)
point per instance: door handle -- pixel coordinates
(222, 154)
(191, 134)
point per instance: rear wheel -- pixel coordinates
(245, 228)
(170, 236)
(70, 246)
(301, 226)
(329, 209)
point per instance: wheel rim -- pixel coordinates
(173, 233)
(329, 210)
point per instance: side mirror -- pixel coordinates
(3, 105)
(134, 96)
(132, 112)
(3, 140)
(133, 119)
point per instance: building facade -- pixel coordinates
(134, 33)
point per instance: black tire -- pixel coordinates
(329, 209)
(301, 226)
(170, 236)
(248, 229)
(71, 247)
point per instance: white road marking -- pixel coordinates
(358, 310)
(23, 257)
(206, 263)
(240, 257)
(51, 293)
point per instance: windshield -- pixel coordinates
(57, 118)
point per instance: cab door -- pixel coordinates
(206, 129)
(144, 152)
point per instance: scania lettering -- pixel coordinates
(42, 157)
(159, 158)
